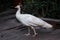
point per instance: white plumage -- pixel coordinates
(31, 21)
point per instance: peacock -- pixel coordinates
(31, 21)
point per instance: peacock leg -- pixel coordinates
(34, 31)
(28, 32)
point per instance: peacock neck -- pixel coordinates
(18, 12)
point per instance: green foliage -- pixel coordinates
(40, 8)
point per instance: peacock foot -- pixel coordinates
(27, 34)
(35, 35)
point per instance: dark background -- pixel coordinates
(51, 8)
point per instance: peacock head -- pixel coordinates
(18, 6)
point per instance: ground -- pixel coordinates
(9, 30)
(19, 35)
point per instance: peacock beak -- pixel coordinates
(15, 6)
